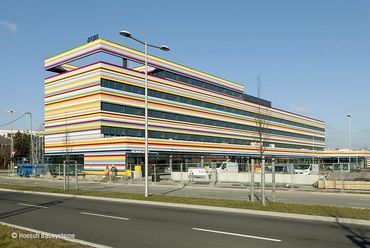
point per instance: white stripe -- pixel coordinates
(106, 216)
(236, 234)
(362, 204)
(31, 205)
(83, 242)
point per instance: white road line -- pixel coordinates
(31, 205)
(236, 234)
(106, 216)
(361, 204)
(79, 241)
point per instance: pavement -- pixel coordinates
(338, 199)
(118, 224)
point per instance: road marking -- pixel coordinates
(79, 241)
(362, 204)
(236, 234)
(31, 205)
(106, 216)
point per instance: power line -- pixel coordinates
(12, 121)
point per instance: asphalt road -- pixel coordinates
(135, 225)
(303, 197)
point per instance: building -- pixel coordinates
(4, 142)
(94, 113)
(7, 133)
(342, 156)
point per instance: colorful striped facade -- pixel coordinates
(97, 111)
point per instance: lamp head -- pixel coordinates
(125, 33)
(164, 48)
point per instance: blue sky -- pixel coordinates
(313, 56)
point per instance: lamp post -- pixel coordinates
(12, 112)
(349, 138)
(146, 45)
(349, 152)
(31, 147)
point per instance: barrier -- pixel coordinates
(347, 185)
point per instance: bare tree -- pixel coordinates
(67, 150)
(262, 136)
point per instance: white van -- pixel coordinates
(284, 169)
(227, 167)
(306, 169)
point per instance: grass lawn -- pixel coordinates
(6, 240)
(340, 212)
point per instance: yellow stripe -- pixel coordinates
(75, 50)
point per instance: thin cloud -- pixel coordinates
(8, 25)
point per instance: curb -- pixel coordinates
(208, 208)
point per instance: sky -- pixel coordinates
(313, 56)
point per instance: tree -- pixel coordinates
(22, 142)
(4, 152)
(262, 136)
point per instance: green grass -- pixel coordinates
(6, 240)
(339, 212)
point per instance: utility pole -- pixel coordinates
(349, 150)
(263, 197)
(32, 157)
(12, 112)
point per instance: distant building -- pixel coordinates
(4, 141)
(7, 132)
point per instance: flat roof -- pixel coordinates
(105, 46)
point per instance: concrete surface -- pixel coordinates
(135, 225)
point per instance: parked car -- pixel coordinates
(306, 169)
(346, 168)
(228, 167)
(284, 168)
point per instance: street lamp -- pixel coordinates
(127, 34)
(349, 138)
(12, 112)
(31, 153)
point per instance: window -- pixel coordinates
(196, 82)
(187, 100)
(192, 119)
